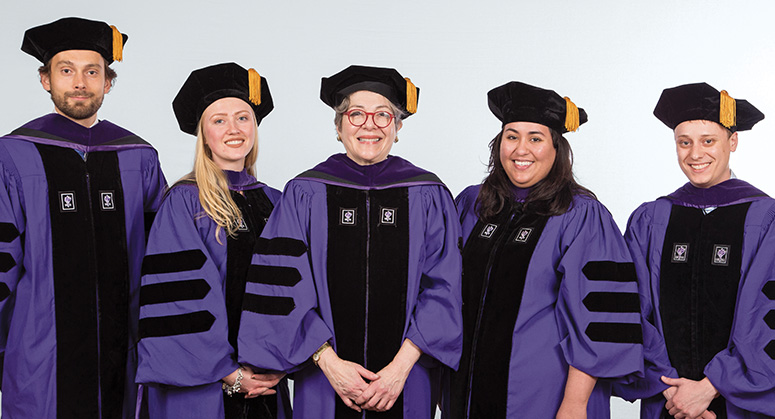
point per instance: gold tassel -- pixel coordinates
(254, 86)
(411, 96)
(571, 115)
(727, 113)
(118, 44)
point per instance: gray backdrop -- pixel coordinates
(611, 57)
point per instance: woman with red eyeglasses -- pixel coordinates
(355, 284)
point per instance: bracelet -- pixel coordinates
(316, 355)
(233, 389)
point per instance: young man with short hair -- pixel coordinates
(78, 197)
(705, 258)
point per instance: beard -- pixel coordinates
(79, 110)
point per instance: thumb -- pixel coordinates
(671, 381)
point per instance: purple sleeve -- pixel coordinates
(465, 203)
(281, 326)
(273, 194)
(597, 307)
(744, 373)
(436, 324)
(639, 238)
(155, 183)
(183, 322)
(11, 252)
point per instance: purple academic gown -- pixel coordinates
(190, 304)
(707, 283)
(541, 293)
(363, 257)
(72, 238)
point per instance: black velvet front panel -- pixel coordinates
(368, 248)
(88, 234)
(700, 274)
(495, 262)
(255, 207)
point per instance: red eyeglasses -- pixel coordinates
(358, 117)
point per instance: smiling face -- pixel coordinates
(703, 149)
(229, 128)
(368, 144)
(77, 84)
(526, 152)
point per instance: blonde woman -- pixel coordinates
(198, 256)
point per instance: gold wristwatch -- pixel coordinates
(316, 355)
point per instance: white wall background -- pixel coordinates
(611, 57)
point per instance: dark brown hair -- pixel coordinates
(110, 74)
(552, 195)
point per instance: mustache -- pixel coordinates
(79, 94)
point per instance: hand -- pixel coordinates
(252, 384)
(382, 393)
(691, 398)
(669, 392)
(256, 384)
(572, 410)
(345, 377)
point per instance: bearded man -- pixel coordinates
(79, 194)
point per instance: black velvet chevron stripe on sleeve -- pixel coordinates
(181, 324)
(271, 305)
(769, 318)
(612, 302)
(769, 290)
(606, 270)
(162, 263)
(6, 262)
(4, 291)
(274, 275)
(282, 246)
(8, 232)
(167, 292)
(615, 332)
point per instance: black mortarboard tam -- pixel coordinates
(700, 101)
(206, 85)
(45, 41)
(520, 102)
(385, 81)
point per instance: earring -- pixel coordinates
(338, 138)
(396, 140)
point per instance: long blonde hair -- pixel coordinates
(214, 194)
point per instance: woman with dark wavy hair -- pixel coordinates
(550, 302)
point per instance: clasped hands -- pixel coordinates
(254, 384)
(688, 398)
(361, 389)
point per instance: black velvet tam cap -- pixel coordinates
(45, 41)
(385, 81)
(206, 85)
(520, 102)
(700, 101)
